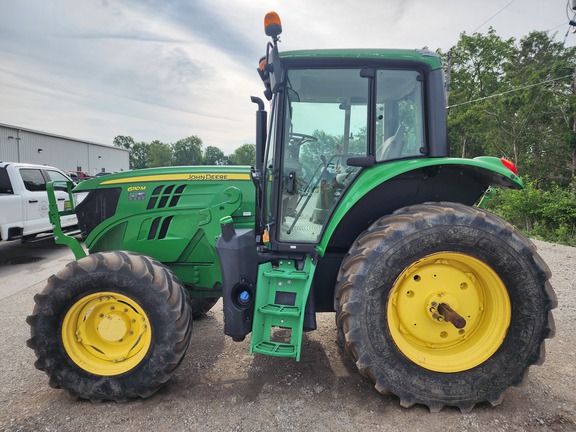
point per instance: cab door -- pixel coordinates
(35, 203)
(12, 207)
(325, 120)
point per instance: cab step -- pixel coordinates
(281, 296)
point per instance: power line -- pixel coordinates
(489, 19)
(509, 91)
(554, 28)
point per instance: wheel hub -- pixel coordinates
(440, 310)
(428, 286)
(448, 312)
(106, 333)
(112, 328)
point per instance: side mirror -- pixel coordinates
(364, 161)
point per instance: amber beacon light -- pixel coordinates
(272, 25)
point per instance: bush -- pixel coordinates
(548, 215)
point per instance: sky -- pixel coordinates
(169, 69)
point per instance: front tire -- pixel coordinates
(111, 326)
(404, 266)
(201, 305)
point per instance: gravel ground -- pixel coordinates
(220, 387)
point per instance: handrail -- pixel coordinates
(59, 236)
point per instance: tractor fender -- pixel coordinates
(384, 188)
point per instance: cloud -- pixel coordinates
(168, 69)
(219, 24)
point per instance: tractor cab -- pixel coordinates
(333, 114)
(326, 135)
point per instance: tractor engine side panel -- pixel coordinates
(174, 221)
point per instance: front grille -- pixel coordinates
(99, 205)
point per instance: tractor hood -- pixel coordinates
(134, 210)
(181, 173)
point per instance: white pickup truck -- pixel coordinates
(24, 201)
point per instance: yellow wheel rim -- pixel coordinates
(106, 333)
(471, 289)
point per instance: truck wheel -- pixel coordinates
(110, 326)
(444, 305)
(201, 305)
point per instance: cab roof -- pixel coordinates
(430, 58)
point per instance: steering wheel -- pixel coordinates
(301, 138)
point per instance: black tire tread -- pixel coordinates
(201, 305)
(396, 226)
(48, 305)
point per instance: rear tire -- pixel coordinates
(111, 326)
(399, 270)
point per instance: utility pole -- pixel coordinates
(574, 132)
(448, 73)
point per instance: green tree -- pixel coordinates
(188, 151)
(243, 155)
(514, 100)
(159, 154)
(538, 119)
(138, 156)
(213, 156)
(520, 104)
(478, 67)
(310, 153)
(123, 141)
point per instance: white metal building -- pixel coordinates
(69, 154)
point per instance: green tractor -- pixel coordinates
(353, 206)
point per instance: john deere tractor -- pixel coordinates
(353, 206)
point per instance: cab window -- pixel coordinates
(326, 114)
(399, 115)
(33, 180)
(5, 184)
(56, 176)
